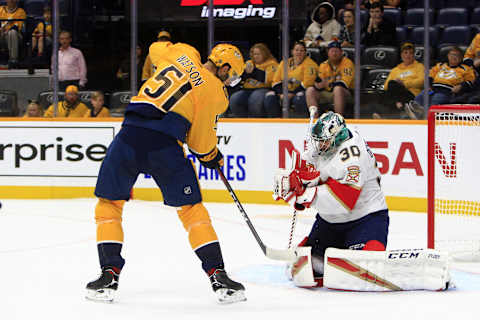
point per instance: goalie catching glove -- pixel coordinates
(298, 184)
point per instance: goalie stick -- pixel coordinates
(275, 254)
(294, 161)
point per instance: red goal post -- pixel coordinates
(453, 188)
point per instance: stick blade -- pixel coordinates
(282, 255)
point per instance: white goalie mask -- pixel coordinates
(328, 133)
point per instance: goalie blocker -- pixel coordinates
(394, 270)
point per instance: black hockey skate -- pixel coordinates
(103, 289)
(227, 290)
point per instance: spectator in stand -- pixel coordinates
(333, 84)
(257, 79)
(123, 72)
(472, 55)
(72, 69)
(379, 30)
(301, 75)
(347, 33)
(396, 4)
(403, 84)
(148, 67)
(70, 107)
(34, 110)
(11, 31)
(447, 80)
(472, 59)
(99, 110)
(323, 28)
(42, 35)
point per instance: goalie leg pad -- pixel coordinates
(197, 223)
(396, 270)
(108, 216)
(301, 270)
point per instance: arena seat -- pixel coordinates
(420, 52)
(475, 16)
(458, 3)
(84, 96)
(434, 4)
(8, 103)
(375, 79)
(394, 15)
(385, 56)
(316, 54)
(442, 52)
(417, 34)
(34, 8)
(401, 34)
(414, 17)
(45, 98)
(118, 102)
(452, 17)
(350, 53)
(459, 35)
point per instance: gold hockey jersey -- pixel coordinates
(181, 99)
(473, 51)
(343, 73)
(269, 67)
(412, 76)
(19, 14)
(299, 77)
(447, 77)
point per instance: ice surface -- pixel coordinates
(48, 254)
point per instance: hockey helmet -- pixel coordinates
(329, 132)
(225, 53)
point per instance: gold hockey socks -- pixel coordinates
(108, 216)
(197, 222)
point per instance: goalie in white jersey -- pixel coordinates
(341, 182)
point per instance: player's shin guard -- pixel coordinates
(108, 216)
(201, 235)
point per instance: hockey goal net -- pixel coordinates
(453, 181)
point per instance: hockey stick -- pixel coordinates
(294, 157)
(292, 229)
(275, 254)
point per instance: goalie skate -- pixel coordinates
(227, 290)
(103, 289)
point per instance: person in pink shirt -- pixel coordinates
(72, 69)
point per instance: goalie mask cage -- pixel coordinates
(453, 180)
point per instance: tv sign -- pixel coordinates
(255, 8)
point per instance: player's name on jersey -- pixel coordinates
(191, 69)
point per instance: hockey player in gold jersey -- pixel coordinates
(178, 105)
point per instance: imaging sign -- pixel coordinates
(234, 10)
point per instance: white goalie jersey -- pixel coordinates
(351, 181)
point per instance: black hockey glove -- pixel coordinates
(212, 160)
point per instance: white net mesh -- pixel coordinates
(457, 192)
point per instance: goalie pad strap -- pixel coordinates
(396, 270)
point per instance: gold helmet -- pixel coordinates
(225, 53)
